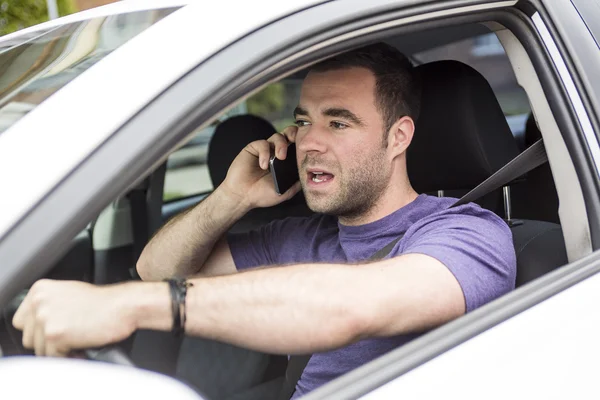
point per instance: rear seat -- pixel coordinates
(461, 138)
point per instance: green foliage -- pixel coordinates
(19, 14)
(167, 196)
(268, 101)
(281, 124)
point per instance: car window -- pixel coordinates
(30, 72)
(276, 102)
(486, 54)
(187, 170)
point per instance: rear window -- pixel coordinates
(30, 72)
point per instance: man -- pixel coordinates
(321, 295)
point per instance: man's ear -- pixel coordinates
(401, 135)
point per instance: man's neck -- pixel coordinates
(390, 202)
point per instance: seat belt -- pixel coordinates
(534, 156)
(296, 364)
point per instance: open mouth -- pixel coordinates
(319, 176)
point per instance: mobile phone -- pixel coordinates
(284, 172)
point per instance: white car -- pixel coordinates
(93, 105)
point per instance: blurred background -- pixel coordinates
(19, 14)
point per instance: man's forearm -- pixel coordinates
(258, 311)
(182, 246)
(307, 308)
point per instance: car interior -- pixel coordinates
(467, 130)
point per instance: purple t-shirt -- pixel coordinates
(473, 243)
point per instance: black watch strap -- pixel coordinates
(178, 288)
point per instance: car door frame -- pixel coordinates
(148, 137)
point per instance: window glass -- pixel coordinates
(30, 72)
(276, 102)
(486, 54)
(187, 170)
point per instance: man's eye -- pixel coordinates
(300, 122)
(338, 125)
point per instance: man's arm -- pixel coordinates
(184, 244)
(302, 308)
(317, 307)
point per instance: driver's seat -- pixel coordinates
(461, 138)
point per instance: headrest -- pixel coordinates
(230, 137)
(461, 135)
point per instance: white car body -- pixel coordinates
(516, 358)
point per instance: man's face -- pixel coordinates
(340, 142)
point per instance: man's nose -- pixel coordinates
(311, 139)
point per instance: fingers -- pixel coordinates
(280, 144)
(39, 340)
(52, 351)
(282, 140)
(290, 133)
(291, 192)
(20, 316)
(28, 333)
(262, 150)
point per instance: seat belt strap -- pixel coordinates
(533, 157)
(386, 250)
(296, 364)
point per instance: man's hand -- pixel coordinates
(248, 178)
(59, 316)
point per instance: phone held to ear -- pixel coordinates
(284, 172)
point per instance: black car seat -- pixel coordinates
(230, 137)
(461, 138)
(535, 197)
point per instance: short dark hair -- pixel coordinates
(398, 87)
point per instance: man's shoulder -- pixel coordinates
(439, 212)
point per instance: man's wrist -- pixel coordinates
(150, 305)
(228, 200)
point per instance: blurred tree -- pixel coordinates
(268, 101)
(19, 14)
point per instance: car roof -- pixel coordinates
(138, 73)
(120, 7)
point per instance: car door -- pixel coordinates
(276, 49)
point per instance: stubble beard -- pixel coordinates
(359, 189)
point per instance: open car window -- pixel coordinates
(32, 71)
(187, 168)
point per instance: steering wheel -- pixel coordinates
(109, 354)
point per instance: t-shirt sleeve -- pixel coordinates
(476, 246)
(260, 247)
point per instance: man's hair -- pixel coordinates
(397, 88)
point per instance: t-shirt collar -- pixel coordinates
(400, 216)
